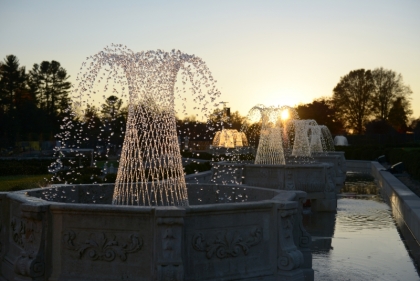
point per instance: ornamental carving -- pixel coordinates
(30, 265)
(99, 247)
(18, 231)
(169, 244)
(304, 238)
(229, 244)
(23, 231)
(290, 260)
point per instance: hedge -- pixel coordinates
(24, 167)
(410, 159)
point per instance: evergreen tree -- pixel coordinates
(49, 83)
(398, 116)
(13, 87)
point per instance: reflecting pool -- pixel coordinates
(361, 241)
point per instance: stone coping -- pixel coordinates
(52, 238)
(405, 203)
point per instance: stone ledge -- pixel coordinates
(404, 203)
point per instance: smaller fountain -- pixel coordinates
(341, 141)
(301, 145)
(229, 138)
(270, 148)
(315, 139)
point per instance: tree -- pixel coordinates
(323, 112)
(389, 87)
(398, 116)
(379, 126)
(415, 126)
(352, 97)
(111, 108)
(49, 82)
(13, 88)
(232, 120)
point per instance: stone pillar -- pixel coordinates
(169, 244)
(23, 252)
(289, 259)
(302, 238)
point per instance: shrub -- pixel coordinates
(197, 167)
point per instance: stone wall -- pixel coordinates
(317, 180)
(359, 166)
(404, 203)
(73, 235)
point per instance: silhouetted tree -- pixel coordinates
(111, 107)
(13, 86)
(323, 112)
(389, 87)
(18, 111)
(352, 97)
(379, 126)
(398, 116)
(415, 126)
(234, 120)
(49, 82)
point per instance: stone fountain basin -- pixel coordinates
(338, 159)
(316, 179)
(72, 232)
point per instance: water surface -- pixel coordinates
(360, 241)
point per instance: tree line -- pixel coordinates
(31, 103)
(370, 99)
(34, 104)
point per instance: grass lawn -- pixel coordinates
(11, 183)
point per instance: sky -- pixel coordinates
(260, 52)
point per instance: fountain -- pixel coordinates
(301, 146)
(229, 138)
(274, 167)
(323, 151)
(270, 148)
(150, 224)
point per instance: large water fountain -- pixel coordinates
(171, 230)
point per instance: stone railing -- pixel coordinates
(73, 233)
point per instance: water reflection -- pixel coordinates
(360, 241)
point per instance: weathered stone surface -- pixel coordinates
(404, 203)
(75, 234)
(318, 180)
(339, 162)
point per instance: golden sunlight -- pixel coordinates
(285, 115)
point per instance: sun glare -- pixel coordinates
(285, 114)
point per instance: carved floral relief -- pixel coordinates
(100, 247)
(227, 244)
